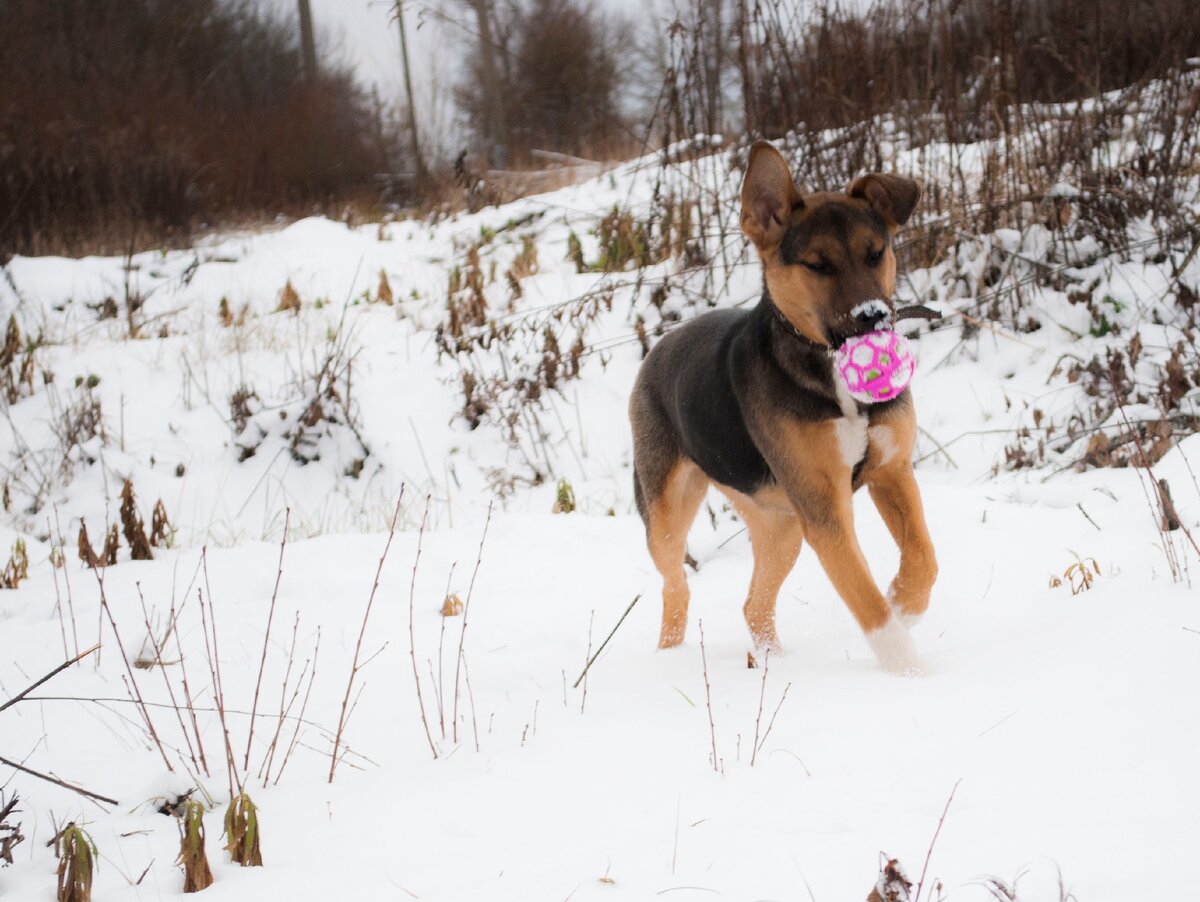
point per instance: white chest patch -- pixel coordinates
(851, 428)
(881, 439)
(852, 438)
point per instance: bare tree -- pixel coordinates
(562, 73)
(493, 86)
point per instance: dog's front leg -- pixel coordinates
(893, 488)
(894, 491)
(817, 477)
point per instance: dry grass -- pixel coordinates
(76, 864)
(197, 875)
(242, 831)
(17, 567)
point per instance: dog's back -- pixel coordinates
(685, 402)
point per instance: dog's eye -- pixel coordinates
(874, 257)
(820, 267)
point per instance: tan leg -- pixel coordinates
(841, 557)
(776, 533)
(894, 491)
(817, 479)
(893, 488)
(670, 517)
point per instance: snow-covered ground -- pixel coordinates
(1064, 719)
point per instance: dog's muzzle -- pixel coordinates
(871, 316)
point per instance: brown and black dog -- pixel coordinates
(747, 400)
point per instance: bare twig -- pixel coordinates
(771, 723)
(933, 842)
(213, 653)
(58, 782)
(145, 712)
(284, 709)
(170, 691)
(712, 727)
(287, 755)
(412, 642)
(187, 696)
(441, 677)
(587, 663)
(463, 634)
(354, 668)
(53, 673)
(262, 661)
(761, 695)
(592, 659)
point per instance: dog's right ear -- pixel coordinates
(768, 196)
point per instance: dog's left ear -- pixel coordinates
(893, 197)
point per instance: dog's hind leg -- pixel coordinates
(670, 511)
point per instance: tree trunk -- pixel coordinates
(308, 44)
(418, 160)
(496, 101)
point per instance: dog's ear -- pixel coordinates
(893, 197)
(768, 196)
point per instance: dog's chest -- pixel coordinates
(851, 428)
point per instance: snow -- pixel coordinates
(1066, 717)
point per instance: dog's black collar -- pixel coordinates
(912, 311)
(793, 331)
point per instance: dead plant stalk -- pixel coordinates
(262, 661)
(213, 654)
(712, 727)
(462, 637)
(412, 641)
(133, 686)
(362, 632)
(158, 658)
(933, 842)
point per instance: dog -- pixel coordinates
(748, 401)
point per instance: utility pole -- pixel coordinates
(418, 160)
(308, 44)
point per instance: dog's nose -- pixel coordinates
(869, 314)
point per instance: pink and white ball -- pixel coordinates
(876, 366)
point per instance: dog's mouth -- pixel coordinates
(874, 315)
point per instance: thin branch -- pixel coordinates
(133, 687)
(933, 842)
(758, 717)
(362, 632)
(463, 634)
(262, 661)
(53, 673)
(412, 641)
(55, 780)
(593, 658)
(162, 668)
(712, 727)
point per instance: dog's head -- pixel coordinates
(826, 256)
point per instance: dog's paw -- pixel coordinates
(766, 644)
(895, 650)
(907, 610)
(670, 639)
